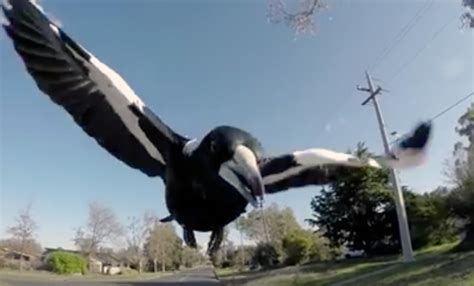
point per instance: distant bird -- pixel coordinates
(209, 182)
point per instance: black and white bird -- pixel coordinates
(209, 182)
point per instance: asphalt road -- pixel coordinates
(194, 277)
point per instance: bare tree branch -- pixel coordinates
(24, 230)
(102, 226)
(300, 21)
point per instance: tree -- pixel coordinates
(296, 247)
(429, 217)
(30, 246)
(137, 232)
(462, 175)
(102, 226)
(301, 21)
(163, 246)
(23, 232)
(224, 256)
(304, 245)
(279, 222)
(192, 257)
(265, 255)
(357, 210)
(243, 256)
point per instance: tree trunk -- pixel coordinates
(140, 266)
(21, 262)
(155, 265)
(163, 265)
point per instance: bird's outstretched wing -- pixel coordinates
(320, 166)
(98, 99)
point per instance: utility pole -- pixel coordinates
(399, 201)
(264, 222)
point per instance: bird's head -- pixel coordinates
(232, 155)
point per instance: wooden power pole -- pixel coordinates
(399, 201)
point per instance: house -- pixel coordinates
(11, 254)
(104, 263)
(14, 259)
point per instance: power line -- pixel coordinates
(451, 106)
(441, 113)
(419, 51)
(403, 33)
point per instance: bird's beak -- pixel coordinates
(242, 172)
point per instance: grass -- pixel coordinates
(49, 276)
(225, 272)
(433, 266)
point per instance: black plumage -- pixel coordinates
(208, 183)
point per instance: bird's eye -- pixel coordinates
(213, 147)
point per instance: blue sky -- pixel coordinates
(200, 64)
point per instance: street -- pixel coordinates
(202, 276)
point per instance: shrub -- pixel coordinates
(265, 255)
(296, 246)
(301, 246)
(66, 263)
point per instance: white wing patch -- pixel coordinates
(190, 147)
(267, 180)
(118, 93)
(117, 81)
(318, 157)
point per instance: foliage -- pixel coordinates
(279, 222)
(304, 245)
(462, 175)
(242, 256)
(429, 218)
(296, 247)
(163, 247)
(265, 255)
(357, 210)
(137, 232)
(192, 257)
(66, 263)
(224, 257)
(102, 226)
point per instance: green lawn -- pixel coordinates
(433, 266)
(48, 276)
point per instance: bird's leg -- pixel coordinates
(216, 239)
(169, 218)
(189, 238)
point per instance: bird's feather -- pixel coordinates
(95, 96)
(321, 166)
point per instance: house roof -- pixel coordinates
(6, 251)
